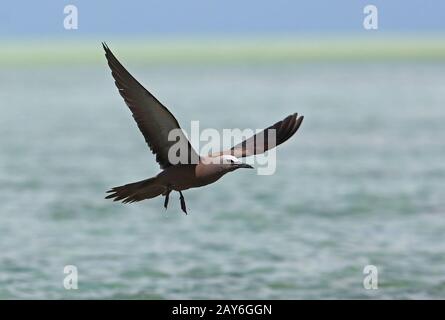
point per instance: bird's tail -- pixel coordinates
(136, 191)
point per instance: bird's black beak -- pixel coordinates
(245, 165)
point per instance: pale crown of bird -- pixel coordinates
(223, 159)
(229, 159)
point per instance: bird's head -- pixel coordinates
(231, 163)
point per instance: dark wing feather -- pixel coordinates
(154, 120)
(267, 139)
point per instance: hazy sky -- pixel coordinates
(212, 17)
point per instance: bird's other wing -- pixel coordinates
(153, 119)
(259, 143)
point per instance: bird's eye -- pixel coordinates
(231, 161)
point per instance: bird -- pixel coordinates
(155, 122)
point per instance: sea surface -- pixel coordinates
(362, 183)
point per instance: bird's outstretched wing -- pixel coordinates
(153, 119)
(260, 143)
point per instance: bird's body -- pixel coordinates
(156, 122)
(180, 177)
(174, 178)
(185, 176)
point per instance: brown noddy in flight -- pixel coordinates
(155, 122)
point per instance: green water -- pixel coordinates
(73, 51)
(361, 183)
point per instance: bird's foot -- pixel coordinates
(167, 194)
(183, 207)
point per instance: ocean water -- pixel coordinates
(362, 183)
